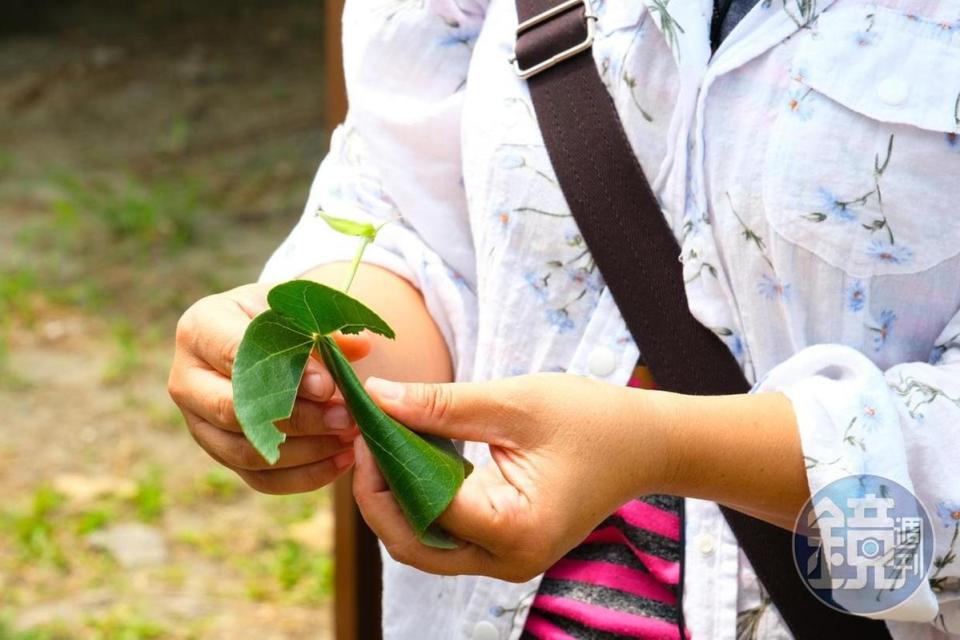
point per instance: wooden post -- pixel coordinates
(357, 585)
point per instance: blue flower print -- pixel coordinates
(772, 288)
(737, 347)
(798, 104)
(953, 139)
(936, 354)
(869, 413)
(584, 277)
(560, 319)
(889, 253)
(856, 296)
(537, 284)
(511, 161)
(836, 208)
(949, 513)
(865, 38)
(885, 328)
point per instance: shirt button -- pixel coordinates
(892, 91)
(705, 543)
(485, 631)
(602, 362)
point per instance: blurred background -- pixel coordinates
(151, 152)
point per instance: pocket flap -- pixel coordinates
(886, 65)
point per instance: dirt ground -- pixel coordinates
(150, 153)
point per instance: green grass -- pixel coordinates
(17, 292)
(287, 571)
(93, 520)
(7, 632)
(122, 624)
(34, 530)
(149, 498)
(126, 359)
(146, 215)
(220, 484)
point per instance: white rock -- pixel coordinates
(131, 544)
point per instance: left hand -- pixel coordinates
(567, 451)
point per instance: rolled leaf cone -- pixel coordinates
(424, 472)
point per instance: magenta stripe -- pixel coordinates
(543, 629)
(663, 570)
(646, 516)
(608, 619)
(615, 576)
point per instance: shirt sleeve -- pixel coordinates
(902, 424)
(397, 158)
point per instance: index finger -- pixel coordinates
(212, 330)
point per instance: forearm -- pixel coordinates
(742, 451)
(419, 352)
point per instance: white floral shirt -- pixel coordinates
(811, 172)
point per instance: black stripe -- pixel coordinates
(667, 503)
(608, 598)
(612, 552)
(646, 540)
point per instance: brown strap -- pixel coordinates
(637, 253)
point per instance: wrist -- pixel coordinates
(653, 443)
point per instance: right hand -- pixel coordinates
(320, 431)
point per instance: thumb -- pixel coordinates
(460, 411)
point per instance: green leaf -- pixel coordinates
(350, 227)
(316, 309)
(266, 375)
(424, 472)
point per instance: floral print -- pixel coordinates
(888, 253)
(841, 210)
(815, 232)
(883, 328)
(856, 296)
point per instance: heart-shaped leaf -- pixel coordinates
(317, 309)
(266, 375)
(424, 472)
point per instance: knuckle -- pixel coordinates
(176, 390)
(185, 328)
(224, 411)
(188, 326)
(244, 456)
(300, 417)
(435, 399)
(401, 552)
(362, 499)
(227, 352)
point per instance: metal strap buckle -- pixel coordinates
(590, 20)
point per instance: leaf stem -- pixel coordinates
(355, 265)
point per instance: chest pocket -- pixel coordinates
(863, 168)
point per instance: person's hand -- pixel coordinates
(320, 432)
(567, 451)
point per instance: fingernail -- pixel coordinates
(337, 417)
(385, 388)
(343, 459)
(315, 384)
